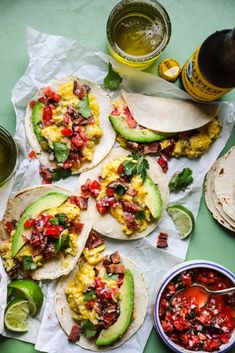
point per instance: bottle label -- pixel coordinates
(196, 85)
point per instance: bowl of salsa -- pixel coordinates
(185, 325)
(8, 155)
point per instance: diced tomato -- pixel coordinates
(53, 231)
(9, 225)
(120, 169)
(90, 304)
(115, 111)
(95, 188)
(129, 118)
(47, 115)
(66, 131)
(120, 279)
(51, 94)
(29, 223)
(204, 317)
(32, 104)
(101, 207)
(77, 141)
(211, 345)
(42, 100)
(162, 161)
(77, 227)
(184, 337)
(108, 319)
(110, 191)
(32, 154)
(167, 326)
(224, 337)
(181, 324)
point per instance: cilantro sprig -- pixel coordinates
(28, 263)
(112, 80)
(88, 329)
(181, 180)
(137, 166)
(84, 107)
(61, 151)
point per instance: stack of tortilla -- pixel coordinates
(220, 190)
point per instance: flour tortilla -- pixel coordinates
(224, 183)
(140, 307)
(53, 268)
(167, 114)
(106, 224)
(212, 202)
(106, 141)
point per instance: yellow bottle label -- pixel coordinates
(196, 85)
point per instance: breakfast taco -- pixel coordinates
(43, 232)
(103, 302)
(164, 126)
(128, 195)
(67, 125)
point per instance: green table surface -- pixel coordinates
(85, 21)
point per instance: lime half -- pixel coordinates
(183, 219)
(16, 315)
(27, 289)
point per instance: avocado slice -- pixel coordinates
(153, 198)
(137, 135)
(50, 200)
(117, 330)
(37, 115)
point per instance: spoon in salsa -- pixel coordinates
(200, 293)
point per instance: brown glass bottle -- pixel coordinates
(210, 72)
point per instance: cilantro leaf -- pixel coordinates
(62, 218)
(62, 243)
(61, 151)
(112, 80)
(88, 329)
(181, 180)
(113, 276)
(54, 221)
(140, 215)
(129, 168)
(90, 295)
(60, 173)
(137, 167)
(84, 107)
(120, 189)
(28, 263)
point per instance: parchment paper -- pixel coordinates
(52, 57)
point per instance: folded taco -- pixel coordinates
(43, 232)
(164, 126)
(67, 125)
(128, 195)
(103, 302)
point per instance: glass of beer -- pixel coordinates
(8, 155)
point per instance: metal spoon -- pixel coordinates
(203, 292)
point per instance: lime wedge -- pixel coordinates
(27, 289)
(183, 219)
(16, 315)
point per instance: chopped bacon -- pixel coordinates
(46, 174)
(32, 154)
(94, 240)
(9, 224)
(131, 191)
(68, 163)
(115, 268)
(150, 148)
(80, 90)
(75, 333)
(131, 122)
(167, 152)
(186, 134)
(162, 240)
(130, 206)
(32, 103)
(162, 161)
(115, 257)
(90, 120)
(132, 145)
(80, 201)
(77, 227)
(130, 220)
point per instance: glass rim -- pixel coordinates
(142, 58)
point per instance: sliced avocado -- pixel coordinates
(153, 198)
(137, 135)
(37, 115)
(117, 330)
(50, 200)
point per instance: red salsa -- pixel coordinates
(191, 325)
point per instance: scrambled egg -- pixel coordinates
(195, 146)
(110, 174)
(52, 133)
(84, 278)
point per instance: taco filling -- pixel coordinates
(48, 228)
(66, 124)
(95, 294)
(192, 143)
(126, 191)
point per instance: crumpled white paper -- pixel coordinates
(52, 57)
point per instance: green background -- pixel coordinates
(85, 21)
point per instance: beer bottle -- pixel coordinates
(210, 72)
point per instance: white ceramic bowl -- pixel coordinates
(174, 271)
